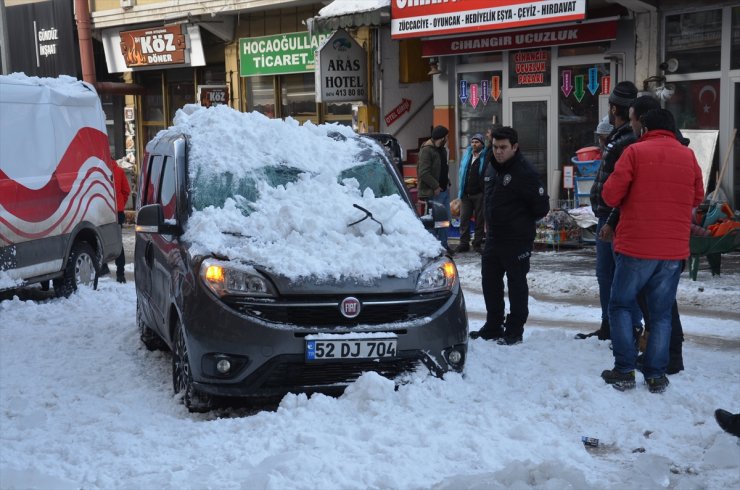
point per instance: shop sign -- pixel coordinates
(568, 177)
(529, 69)
(43, 38)
(279, 54)
(398, 111)
(533, 38)
(342, 70)
(210, 95)
(154, 46)
(418, 18)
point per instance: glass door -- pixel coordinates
(529, 116)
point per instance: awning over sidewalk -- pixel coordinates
(350, 13)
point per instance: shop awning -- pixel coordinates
(350, 13)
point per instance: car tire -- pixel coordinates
(82, 268)
(148, 337)
(182, 377)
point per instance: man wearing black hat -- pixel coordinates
(621, 137)
(432, 178)
(470, 193)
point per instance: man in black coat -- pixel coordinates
(514, 200)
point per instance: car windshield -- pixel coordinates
(209, 189)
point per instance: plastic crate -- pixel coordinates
(587, 168)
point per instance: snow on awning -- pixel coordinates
(350, 13)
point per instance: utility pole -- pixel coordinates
(4, 40)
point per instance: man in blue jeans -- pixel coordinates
(621, 137)
(656, 183)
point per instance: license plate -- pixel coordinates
(350, 349)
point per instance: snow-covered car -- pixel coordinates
(273, 257)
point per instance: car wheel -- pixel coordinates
(182, 377)
(82, 268)
(148, 337)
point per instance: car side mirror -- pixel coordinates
(150, 219)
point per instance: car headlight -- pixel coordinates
(437, 276)
(226, 278)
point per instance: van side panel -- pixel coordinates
(55, 171)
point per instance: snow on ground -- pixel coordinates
(84, 405)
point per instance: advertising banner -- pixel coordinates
(210, 95)
(279, 54)
(521, 39)
(43, 39)
(154, 46)
(413, 18)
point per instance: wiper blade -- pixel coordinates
(368, 214)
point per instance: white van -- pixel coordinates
(58, 217)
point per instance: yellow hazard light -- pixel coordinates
(215, 273)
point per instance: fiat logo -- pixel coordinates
(350, 307)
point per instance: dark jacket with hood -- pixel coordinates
(619, 139)
(515, 199)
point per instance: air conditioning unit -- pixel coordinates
(127, 4)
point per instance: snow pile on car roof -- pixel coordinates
(301, 229)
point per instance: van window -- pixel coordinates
(167, 194)
(155, 171)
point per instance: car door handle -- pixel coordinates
(149, 254)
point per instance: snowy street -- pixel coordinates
(84, 405)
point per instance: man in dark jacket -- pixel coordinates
(621, 137)
(433, 181)
(514, 200)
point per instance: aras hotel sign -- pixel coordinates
(422, 18)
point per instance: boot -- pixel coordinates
(729, 422)
(675, 355)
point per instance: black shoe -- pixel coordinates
(657, 385)
(729, 422)
(478, 249)
(510, 340)
(450, 252)
(620, 381)
(121, 278)
(486, 333)
(463, 247)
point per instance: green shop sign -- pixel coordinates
(279, 54)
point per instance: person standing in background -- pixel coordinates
(470, 193)
(432, 175)
(123, 191)
(621, 137)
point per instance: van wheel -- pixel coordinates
(182, 377)
(151, 340)
(82, 268)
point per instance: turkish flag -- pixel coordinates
(705, 97)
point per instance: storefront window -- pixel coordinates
(153, 100)
(735, 53)
(261, 95)
(578, 106)
(695, 104)
(529, 68)
(298, 96)
(480, 101)
(694, 39)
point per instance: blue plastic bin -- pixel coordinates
(586, 168)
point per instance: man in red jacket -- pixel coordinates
(656, 184)
(123, 190)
